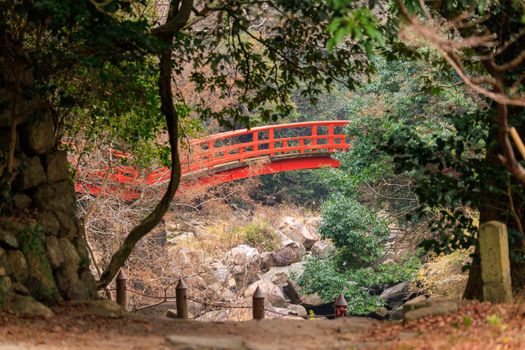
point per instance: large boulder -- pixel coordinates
(312, 299)
(394, 295)
(7, 240)
(271, 292)
(298, 310)
(57, 166)
(220, 292)
(281, 275)
(428, 308)
(220, 272)
(243, 262)
(299, 232)
(35, 135)
(241, 257)
(287, 255)
(26, 306)
(17, 265)
(32, 174)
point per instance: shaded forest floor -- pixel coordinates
(474, 326)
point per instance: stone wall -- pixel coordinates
(42, 251)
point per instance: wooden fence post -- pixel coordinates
(181, 300)
(122, 297)
(258, 304)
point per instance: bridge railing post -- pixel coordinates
(271, 141)
(314, 137)
(241, 152)
(210, 153)
(255, 139)
(330, 137)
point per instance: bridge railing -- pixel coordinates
(237, 146)
(265, 141)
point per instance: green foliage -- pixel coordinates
(258, 234)
(384, 275)
(467, 321)
(353, 228)
(324, 276)
(494, 320)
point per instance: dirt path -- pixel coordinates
(489, 327)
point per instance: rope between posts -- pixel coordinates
(220, 306)
(216, 306)
(309, 317)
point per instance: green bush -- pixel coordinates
(353, 228)
(259, 234)
(324, 277)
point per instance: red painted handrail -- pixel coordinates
(238, 146)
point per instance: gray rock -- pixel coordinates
(274, 312)
(272, 293)
(8, 240)
(17, 265)
(281, 275)
(26, 306)
(266, 261)
(41, 282)
(415, 303)
(31, 174)
(48, 223)
(397, 314)
(103, 308)
(3, 257)
(221, 272)
(394, 295)
(6, 287)
(312, 299)
(298, 310)
(56, 197)
(171, 313)
(89, 284)
(299, 232)
(39, 137)
(54, 252)
(19, 288)
(241, 255)
(220, 292)
(69, 252)
(57, 166)
(435, 308)
(243, 262)
(286, 256)
(22, 201)
(68, 225)
(67, 276)
(381, 312)
(292, 291)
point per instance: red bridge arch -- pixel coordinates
(238, 154)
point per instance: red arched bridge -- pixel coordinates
(234, 155)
